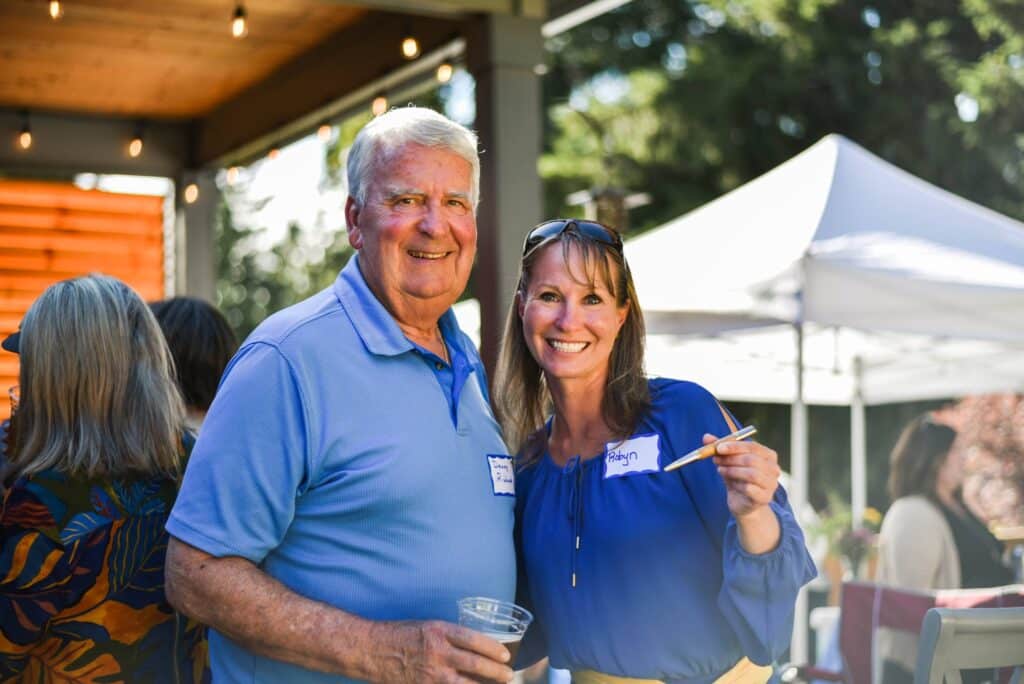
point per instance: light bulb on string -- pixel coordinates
(445, 71)
(323, 132)
(232, 175)
(56, 9)
(25, 134)
(410, 47)
(135, 145)
(273, 153)
(379, 105)
(239, 22)
(191, 193)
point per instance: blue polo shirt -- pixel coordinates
(353, 466)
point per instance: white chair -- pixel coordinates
(954, 639)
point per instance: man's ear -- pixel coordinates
(355, 234)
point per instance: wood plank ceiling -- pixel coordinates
(165, 59)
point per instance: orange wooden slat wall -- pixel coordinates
(54, 231)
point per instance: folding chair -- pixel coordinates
(867, 606)
(969, 638)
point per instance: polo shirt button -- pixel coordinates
(439, 365)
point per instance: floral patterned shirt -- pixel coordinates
(82, 584)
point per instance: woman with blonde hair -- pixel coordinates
(634, 574)
(94, 459)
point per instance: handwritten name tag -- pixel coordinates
(503, 477)
(636, 455)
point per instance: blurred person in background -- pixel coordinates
(696, 570)
(8, 344)
(95, 459)
(202, 343)
(929, 538)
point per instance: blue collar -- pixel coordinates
(373, 323)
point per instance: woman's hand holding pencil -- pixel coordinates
(751, 473)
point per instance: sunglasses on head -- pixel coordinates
(589, 229)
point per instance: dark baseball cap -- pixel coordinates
(10, 342)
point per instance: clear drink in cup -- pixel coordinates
(500, 620)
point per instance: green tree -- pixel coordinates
(254, 282)
(935, 88)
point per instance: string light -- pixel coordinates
(410, 47)
(232, 175)
(380, 105)
(324, 132)
(56, 10)
(191, 193)
(239, 22)
(135, 146)
(445, 71)
(273, 153)
(25, 135)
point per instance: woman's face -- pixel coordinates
(950, 475)
(570, 326)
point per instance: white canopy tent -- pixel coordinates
(900, 290)
(759, 365)
(835, 278)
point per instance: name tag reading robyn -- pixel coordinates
(503, 477)
(635, 455)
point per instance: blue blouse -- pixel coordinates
(639, 573)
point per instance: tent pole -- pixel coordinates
(858, 446)
(798, 496)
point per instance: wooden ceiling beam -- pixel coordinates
(452, 8)
(66, 144)
(535, 9)
(168, 59)
(353, 58)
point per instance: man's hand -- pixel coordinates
(413, 652)
(235, 597)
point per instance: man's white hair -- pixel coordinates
(389, 132)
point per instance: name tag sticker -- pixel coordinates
(635, 455)
(503, 477)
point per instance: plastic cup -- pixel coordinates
(500, 620)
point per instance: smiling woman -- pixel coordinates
(644, 550)
(571, 318)
(587, 262)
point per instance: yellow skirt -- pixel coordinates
(743, 672)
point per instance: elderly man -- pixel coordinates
(346, 489)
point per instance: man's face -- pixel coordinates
(416, 233)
